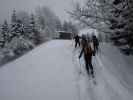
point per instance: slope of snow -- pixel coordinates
(53, 72)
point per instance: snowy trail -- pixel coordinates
(46, 73)
(53, 72)
(109, 86)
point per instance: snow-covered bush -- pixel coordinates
(17, 38)
(20, 45)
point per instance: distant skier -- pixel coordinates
(77, 40)
(95, 44)
(87, 51)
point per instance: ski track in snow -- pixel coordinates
(53, 72)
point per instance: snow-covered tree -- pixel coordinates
(24, 17)
(18, 36)
(58, 25)
(112, 17)
(123, 23)
(33, 33)
(14, 17)
(65, 26)
(4, 35)
(47, 21)
(14, 26)
(69, 27)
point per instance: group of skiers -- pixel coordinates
(89, 47)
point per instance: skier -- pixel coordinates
(95, 44)
(87, 51)
(77, 40)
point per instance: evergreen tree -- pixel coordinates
(13, 25)
(123, 27)
(65, 26)
(34, 34)
(19, 43)
(14, 18)
(17, 26)
(58, 25)
(4, 34)
(69, 27)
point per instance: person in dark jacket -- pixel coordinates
(77, 40)
(95, 44)
(87, 52)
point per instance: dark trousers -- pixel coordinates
(95, 48)
(77, 43)
(88, 65)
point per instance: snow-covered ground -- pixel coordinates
(52, 72)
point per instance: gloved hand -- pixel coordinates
(93, 53)
(79, 57)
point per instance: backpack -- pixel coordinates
(96, 42)
(88, 50)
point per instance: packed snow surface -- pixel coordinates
(53, 71)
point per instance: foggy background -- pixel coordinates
(58, 6)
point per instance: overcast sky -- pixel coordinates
(58, 6)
